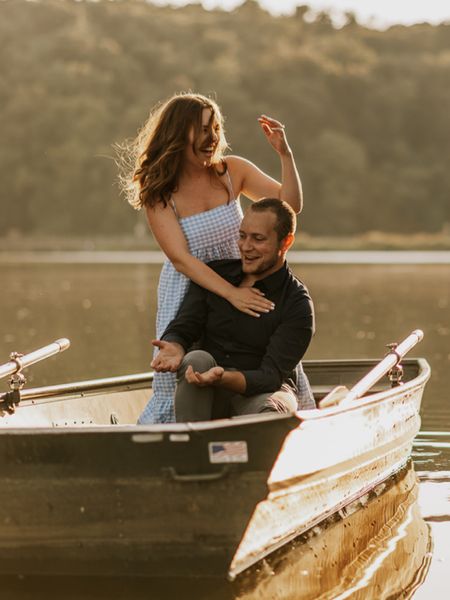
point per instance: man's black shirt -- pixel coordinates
(264, 349)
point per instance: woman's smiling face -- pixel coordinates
(201, 148)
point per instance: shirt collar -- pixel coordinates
(235, 274)
(270, 283)
(273, 281)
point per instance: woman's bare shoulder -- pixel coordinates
(238, 167)
(236, 162)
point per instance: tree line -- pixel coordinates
(366, 111)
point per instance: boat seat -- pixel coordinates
(337, 393)
(335, 396)
(320, 391)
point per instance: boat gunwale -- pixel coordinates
(89, 386)
(417, 382)
(161, 428)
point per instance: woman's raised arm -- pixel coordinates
(256, 184)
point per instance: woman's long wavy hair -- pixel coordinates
(156, 156)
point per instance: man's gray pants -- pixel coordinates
(195, 403)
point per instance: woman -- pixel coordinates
(190, 192)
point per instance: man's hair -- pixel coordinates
(286, 219)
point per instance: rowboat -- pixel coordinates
(85, 491)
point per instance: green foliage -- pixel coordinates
(366, 111)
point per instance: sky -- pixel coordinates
(377, 13)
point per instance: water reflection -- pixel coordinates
(432, 462)
(378, 547)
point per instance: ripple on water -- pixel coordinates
(434, 502)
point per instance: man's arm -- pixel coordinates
(188, 325)
(286, 348)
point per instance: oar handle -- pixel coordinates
(19, 362)
(389, 361)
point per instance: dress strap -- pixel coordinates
(230, 186)
(174, 208)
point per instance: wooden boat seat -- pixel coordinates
(337, 394)
(330, 395)
(320, 391)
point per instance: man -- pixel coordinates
(245, 364)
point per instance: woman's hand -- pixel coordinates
(250, 300)
(275, 134)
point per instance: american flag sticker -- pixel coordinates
(228, 452)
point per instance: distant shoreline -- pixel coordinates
(136, 257)
(372, 241)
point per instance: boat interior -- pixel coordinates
(120, 400)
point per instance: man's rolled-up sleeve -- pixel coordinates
(286, 348)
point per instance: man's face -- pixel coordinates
(261, 251)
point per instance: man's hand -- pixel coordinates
(209, 377)
(168, 358)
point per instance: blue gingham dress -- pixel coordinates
(211, 235)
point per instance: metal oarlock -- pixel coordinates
(395, 375)
(21, 361)
(389, 362)
(18, 362)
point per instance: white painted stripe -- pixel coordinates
(294, 257)
(434, 433)
(428, 444)
(179, 437)
(145, 438)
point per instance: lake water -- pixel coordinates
(107, 311)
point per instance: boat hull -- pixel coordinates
(119, 502)
(105, 499)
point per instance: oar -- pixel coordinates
(20, 361)
(342, 395)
